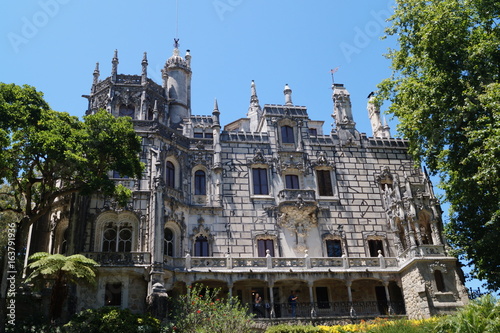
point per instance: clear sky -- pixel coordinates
(55, 44)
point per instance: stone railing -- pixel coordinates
(423, 251)
(128, 79)
(269, 262)
(120, 258)
(295, 195)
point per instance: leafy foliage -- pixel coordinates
(445, 91)
(202, 310)
(46, 156)
(284, 328)
(110, 319)
(480, 316)
(62, 270)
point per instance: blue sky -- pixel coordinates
(55, 44)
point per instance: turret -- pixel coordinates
(144, 74)
(379, 130)
(342, 106)
(96, 77)
(288, 95)
(177, 85)
(254, 110)
(114, 67)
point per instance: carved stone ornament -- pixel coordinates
(438, 266)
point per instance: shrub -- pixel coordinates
(283, 328)
(481, 315)
(111, 320)
(201, 311)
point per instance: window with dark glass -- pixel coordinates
(324, 183)
(113, 294)
(287, 134)
(375, 245)
(263, 245)
(201, 246)
(438, 277)
(260, 185)
(200, 183)
(209, 135)
(292, 182)
(313, 132)
(170, 174)
(117, 239)
(333, 248)
(198, 135)
(168, 249)
(127, 111)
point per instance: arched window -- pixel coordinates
(201, 246)
(200, 183)
(117, 238)
(287, 134)
(64, 241)
(168, 249)
(170, 174)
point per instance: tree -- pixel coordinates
(46, 156)
(61, 271)
(445, 91)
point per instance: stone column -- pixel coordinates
(311, 298)
(388, 296)
(348, 284)
(271, 299)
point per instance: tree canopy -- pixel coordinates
(47, 155)
(445, 91)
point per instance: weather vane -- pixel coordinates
(333, 71)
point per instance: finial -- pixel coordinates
(145, 58)
(216, 105)
(288, 95)
(115, 56)
(155, 110)
(96, 70)
(114, 67)
(188, 58)
(144, 75)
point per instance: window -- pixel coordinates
(209, 135)
(324, 183)
(201, 246)
(126, 111)
(333, 248)
(168, 244)
(113, 294)
(313, 132)
(292, 182)
(263, 245)
(170, 174)
(438, 277)
(374, 246)
(198, 135)
(287, 134)
(116, 174)
(200, 183)
(117, 239)
(260, 181)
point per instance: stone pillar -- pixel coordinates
(388, 296)
(348, 284)
(311, 298)
(271, 299)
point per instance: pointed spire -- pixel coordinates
(96, 73)
(288, 95)
(144, 76)
(114, 68)
(155, 110)
(254, 100)
(216, 114)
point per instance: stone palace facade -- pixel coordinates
(267, 204)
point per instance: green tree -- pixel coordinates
(61, 271)
(445, 91)
(203, 310)
(46, 156)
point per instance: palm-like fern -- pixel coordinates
(62, 270)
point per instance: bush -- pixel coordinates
(481, 315)
(293, 329)
(111, 320)
(201, 311)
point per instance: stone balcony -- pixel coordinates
(296, 197)
(120, 258)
